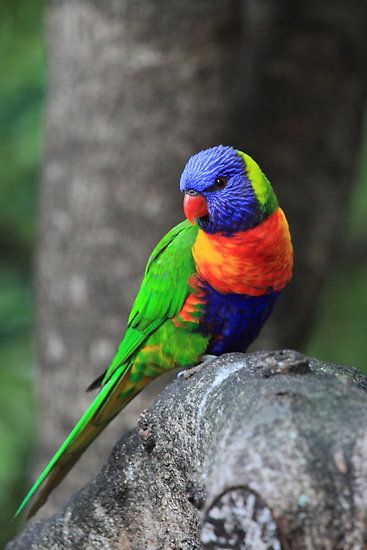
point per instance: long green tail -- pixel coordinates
(110, 400)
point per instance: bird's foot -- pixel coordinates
(187, 373)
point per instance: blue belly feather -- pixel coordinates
(234, 320)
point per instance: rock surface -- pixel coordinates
(260, 451)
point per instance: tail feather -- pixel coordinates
(106, 405)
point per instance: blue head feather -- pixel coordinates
(233, 208)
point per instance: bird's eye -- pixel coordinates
(219, 183)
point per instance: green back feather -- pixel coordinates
(163, 290)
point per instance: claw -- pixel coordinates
(187, 373)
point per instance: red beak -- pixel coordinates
(194, 207)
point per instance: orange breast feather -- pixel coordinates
(253, 262)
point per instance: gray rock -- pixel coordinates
(260, 451)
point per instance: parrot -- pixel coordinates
(208, 288)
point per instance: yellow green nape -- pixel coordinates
(260, 184)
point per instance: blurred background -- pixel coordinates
(131, 90)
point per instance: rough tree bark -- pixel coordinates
(257, 451)
(136, 87)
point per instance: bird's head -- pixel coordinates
(226, 191)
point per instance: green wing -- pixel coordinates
(162, 294)
(163, 290)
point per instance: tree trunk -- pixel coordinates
(136, 87)
(265, 450)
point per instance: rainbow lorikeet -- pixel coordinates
(208, 287)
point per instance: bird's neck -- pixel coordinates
(254, 262)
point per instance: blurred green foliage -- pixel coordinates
(339, 333)
(21, 98)
(21, 94)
